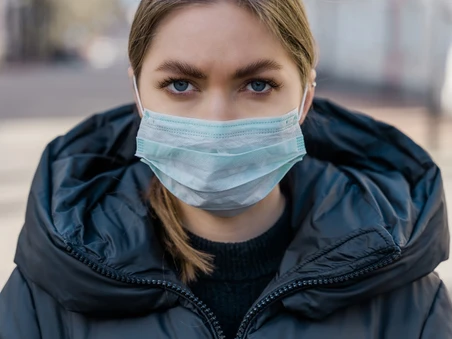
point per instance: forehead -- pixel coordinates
(219, 33)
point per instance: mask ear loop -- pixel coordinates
(303, 102)
(135, 86)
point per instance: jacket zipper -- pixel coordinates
(162, 284)
(276, 295)
(298, 285)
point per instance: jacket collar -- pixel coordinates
(366, 197)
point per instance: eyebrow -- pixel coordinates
(189, 70)
(182, 68)
(257, 67)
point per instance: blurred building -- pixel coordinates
(400, 45)
(2, 30)
(49, 30)
(27, 27)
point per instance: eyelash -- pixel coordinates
(272, 83)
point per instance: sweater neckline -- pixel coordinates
(251, 259)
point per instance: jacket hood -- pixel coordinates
(368, 212)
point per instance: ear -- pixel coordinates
(131, 75)
(310, 95)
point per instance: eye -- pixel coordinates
(258, 86)
(180, 86)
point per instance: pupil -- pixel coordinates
(258, 86)
(181, 86)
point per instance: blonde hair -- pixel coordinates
(288, 21)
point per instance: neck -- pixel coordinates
(248, 225)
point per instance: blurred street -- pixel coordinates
(29, 91)
(37, 104)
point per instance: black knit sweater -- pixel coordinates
(243, 270)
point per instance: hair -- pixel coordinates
(288, 21)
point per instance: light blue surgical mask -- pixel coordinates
(223, 167)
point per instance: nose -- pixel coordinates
(218, 106)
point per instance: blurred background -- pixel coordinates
(63, 60)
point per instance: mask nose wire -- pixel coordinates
(135, 86)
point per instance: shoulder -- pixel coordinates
(418, 298)
(18, 317)
(22, 293)
(427, 287)
(424, 305)
(27, 311)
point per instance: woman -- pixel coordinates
(226, 228)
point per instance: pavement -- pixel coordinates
(38, 104)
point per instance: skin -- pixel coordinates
(218, 40)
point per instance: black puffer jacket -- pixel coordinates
(370, 221)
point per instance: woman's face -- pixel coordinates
(218, 62)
